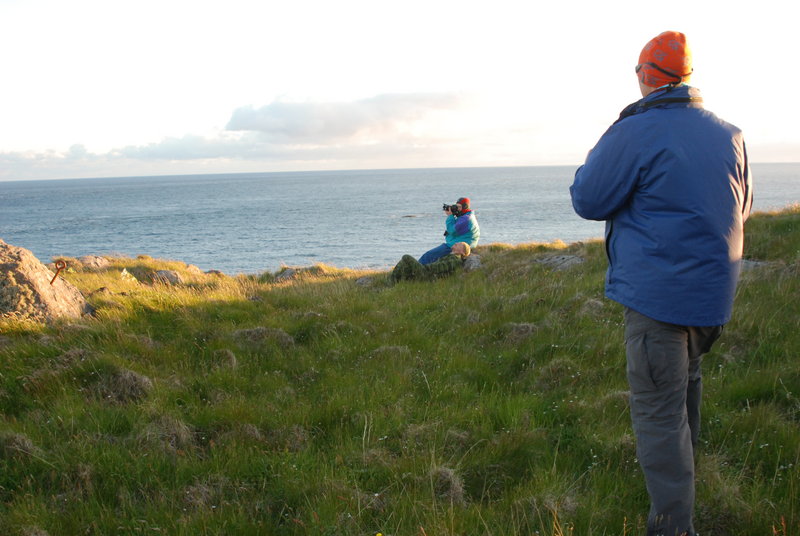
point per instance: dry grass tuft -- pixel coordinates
(260, 335)
(169, 433)
(122, 386)
(16, 446)
(448, 485)
(516, 333)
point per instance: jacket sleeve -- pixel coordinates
(604, 183)
(450, 225)
(463, 224)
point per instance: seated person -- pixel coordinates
(411, 268)
(461, 225)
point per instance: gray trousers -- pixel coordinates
(666, 387)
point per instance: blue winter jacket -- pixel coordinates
(462, 229)
(673, 183)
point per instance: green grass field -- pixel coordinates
(492, 402)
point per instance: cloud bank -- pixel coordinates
(386, 128)
(385, 131)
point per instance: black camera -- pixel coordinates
(452, 208)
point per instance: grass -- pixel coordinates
(489, 402)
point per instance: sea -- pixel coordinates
(252, 223)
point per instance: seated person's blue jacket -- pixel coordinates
(462, 229)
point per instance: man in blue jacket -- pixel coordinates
(672, 182)
(461, 226)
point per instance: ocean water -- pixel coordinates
(256, 222)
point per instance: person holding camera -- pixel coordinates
(672, 181)
(461, 226)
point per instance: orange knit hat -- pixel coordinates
(665, 59)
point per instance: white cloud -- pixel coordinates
(188, 147)
(312, 131)
(326, 122)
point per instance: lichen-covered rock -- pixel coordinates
(125, 275)
(26, 290)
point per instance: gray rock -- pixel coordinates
(127, 276)
(26, 290)
(473, 262)
(169, 277)
(286, 275)
(94, 262)
(560, 262)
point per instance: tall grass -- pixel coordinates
(489, 402)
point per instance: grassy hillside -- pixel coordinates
(492, 402)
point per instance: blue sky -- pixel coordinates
(98, 88)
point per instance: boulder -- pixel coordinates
(286, 275)
(94, 262)
(26, 290)
(473, 262)
(168, 277)
(125, 275)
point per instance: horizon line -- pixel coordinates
(343, 170)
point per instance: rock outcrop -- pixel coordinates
(26, 290)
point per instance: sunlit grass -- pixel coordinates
(328, 401)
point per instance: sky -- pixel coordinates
(106, 88)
